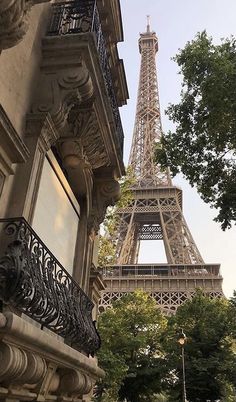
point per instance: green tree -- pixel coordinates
(203, 145)
(131, 352)
(108, 238)
(210, 360)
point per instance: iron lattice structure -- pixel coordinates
(155, 212)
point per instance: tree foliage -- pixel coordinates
(108, 238)
(142, 358)
(210, 360)
(203, 146)
(131, 352)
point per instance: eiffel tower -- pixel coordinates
(155, 213)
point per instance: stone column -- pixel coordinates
(106, 192)
(96, 285)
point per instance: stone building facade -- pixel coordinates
(61, 154)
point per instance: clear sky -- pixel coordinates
(176, 22)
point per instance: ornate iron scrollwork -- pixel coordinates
(34, 282)
(82, 16)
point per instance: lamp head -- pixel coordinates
(181, 338)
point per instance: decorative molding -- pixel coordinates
(73, 155)
(43, 370)
(84, 130)
(12, 148)
(19, 366)
(25, 370)
(95, 149)
(41, 124)
(67, 97)
(36, 369)
(21, 332)
(106, 192)
(61, 89)
(78, 168)
(2, 181)
(110, 190)
(14, 21)
(50, 381)
(13, 363)
(75, 383)
(3, 320)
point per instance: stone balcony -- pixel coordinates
(79, 18)
(35, 283)
(47, 334)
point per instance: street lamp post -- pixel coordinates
(181, 341)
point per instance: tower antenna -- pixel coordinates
(148, 23)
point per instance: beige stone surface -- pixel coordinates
(19, 67)
(18, 331)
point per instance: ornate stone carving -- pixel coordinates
(35, 371)
(85, 126)
(75, 383)
(95, 149)
(3, 320)
(106, 192)
(20, 367)
(73, 155)
(13, 363)
(67, 94)
(41, 124)
(82, 150)
(79, 171)
(110, 190)
(60, 91)
(14, 21)
(81, 120)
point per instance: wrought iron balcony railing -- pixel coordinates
(78, 17)
(34, 282)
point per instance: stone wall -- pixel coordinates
(19, 68)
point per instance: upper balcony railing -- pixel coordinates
(78, 17)
(34, 282)
(162, 271)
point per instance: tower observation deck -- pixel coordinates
(155, 213)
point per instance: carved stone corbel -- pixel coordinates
(73, 155)
(14, 21)
(78, 168)
(106, 192)
(82, 151)
(84, 130)
(41, 125)
(60, 90)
